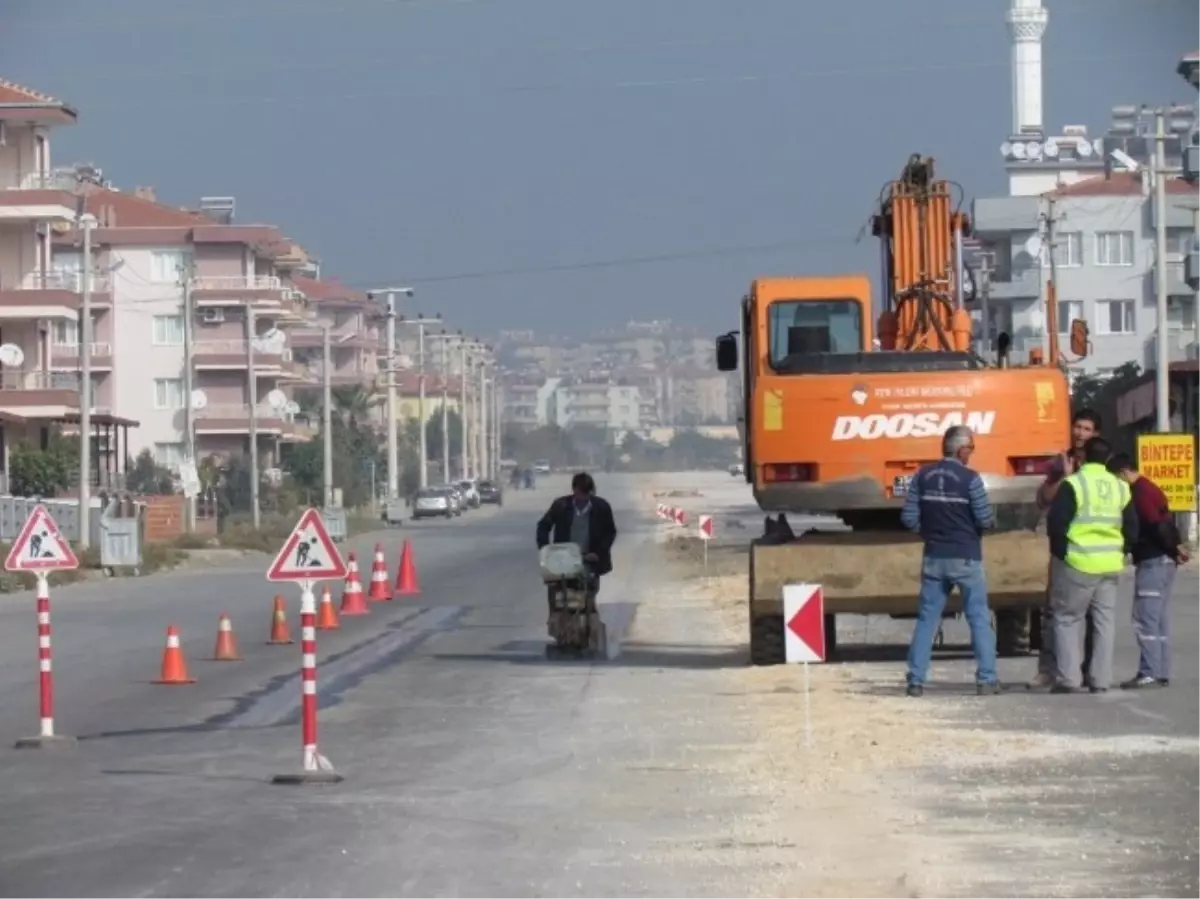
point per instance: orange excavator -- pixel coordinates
(836, 419)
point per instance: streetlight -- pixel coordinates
(444, 338)
(420, 321)
(393, 449)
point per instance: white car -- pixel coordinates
(541, 466)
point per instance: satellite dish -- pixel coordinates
(11, 354)
(1084, 149)
(293, 408)
(1098, 145)
(1033, 246)
(1051, 149)
(1018, 151)
(1006, 149)
(199, 399)
(271, 342)
(277, 399)
(1033, 149)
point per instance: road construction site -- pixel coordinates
(475, 766)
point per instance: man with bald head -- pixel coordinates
(947, 504)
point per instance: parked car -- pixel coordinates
(434, 502)
(457, 501)
(491, 492)
(470, 493)
(541, 466)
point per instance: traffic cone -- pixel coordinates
(174, 668)
(327, 619)
(353, 602)
(406, 578)
(279, 626)
(381, 589)
(226, 649)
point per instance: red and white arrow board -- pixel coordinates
(803, 623)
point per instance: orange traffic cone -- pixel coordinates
(174, 668)
(226, 649)
(353, 602)
(327, 619)
(380, 587)
(279, 626)
(406, 579)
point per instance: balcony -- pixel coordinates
(50, 294)
(1181, 347)
(233, 290)
(1176, 281)
(67, 356)
(344, 376)
(38, 196)
(231, 354)
(348, 337)
(38, 394)
(235, 419)
(1024, 282)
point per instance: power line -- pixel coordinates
(564, 87)
(614, 262)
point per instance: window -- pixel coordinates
(806, 327)
(168, 330)
(168, 455)
(1068, 250)
(65, 333)
(1114, 317)
(168, 393)
(1181, 313)
(166, 265)
(1068, 311)
(1114, 248)
(1178, 242)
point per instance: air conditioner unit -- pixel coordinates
(212, 316)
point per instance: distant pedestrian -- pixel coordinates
(1085, 424)
(1156, 554)
(947, 504)
(1091, 525)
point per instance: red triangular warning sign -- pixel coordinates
(40, 546)
(308, 554)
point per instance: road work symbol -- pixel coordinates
(308, 554)
(40, 546)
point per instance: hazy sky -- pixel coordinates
(568, 164)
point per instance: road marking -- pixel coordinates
(280, 702)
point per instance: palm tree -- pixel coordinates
(354, 404)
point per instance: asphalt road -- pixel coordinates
(168, 793)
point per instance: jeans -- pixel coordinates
(938, 578)
(1152, 585)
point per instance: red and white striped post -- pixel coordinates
(314, 768)
(46, 736)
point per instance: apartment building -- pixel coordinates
(1103, 246)
(39, 300)
(148, 254)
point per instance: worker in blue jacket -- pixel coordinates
(947, 504)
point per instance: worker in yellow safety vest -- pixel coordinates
(1091, 525)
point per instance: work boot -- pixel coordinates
(992, 689)
(1042, 682)
(916, 691)
(1142, 680)
(1064, 688)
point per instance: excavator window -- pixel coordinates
(800, 328)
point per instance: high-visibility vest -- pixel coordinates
(1095, 539)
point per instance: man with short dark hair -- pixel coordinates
(1156, 554)
(1091, 524)
(1085, 424)
(948, 506)
(584, 519)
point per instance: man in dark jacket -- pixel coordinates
(1156, 554)
(584, 519)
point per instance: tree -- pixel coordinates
(433, 435)
(43, 473)
(148, 478)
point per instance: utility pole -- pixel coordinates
(189, 414)
(252, 381)
(497, 425)
(463, 375)
(88, 222)
(423, 440)
(445, 372)
(327, 411)
(1162, 360)
(985, 294)
(1052, 286)
(393, 448)
(481, 436)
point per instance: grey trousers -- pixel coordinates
(1073, 595)
(1152, 616)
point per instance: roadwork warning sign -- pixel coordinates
(1169, 460)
